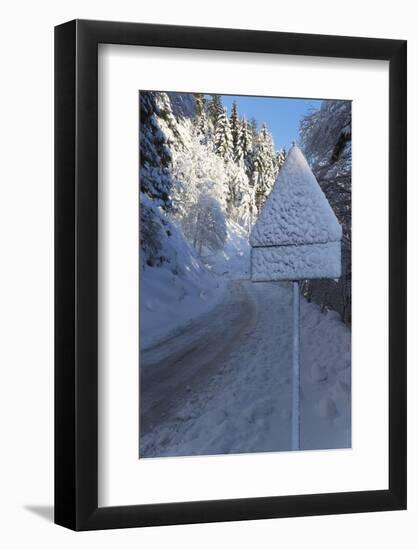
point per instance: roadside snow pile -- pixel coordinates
(244, 406)
(175, 286)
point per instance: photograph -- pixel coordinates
(245, 274)
(205, 332)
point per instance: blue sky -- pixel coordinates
(281, 115)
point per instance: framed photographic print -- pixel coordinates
(230, 275)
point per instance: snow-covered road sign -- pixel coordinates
(297, 235)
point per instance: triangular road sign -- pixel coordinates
(297, 235)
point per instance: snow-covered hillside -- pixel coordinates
(176, 290)
(201, 177)
(184, 287)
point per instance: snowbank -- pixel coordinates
(182, 287)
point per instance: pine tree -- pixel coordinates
(200, 104)
(155, 154)
(280, 158)
(200, 117)
(253, 127)
(238, 156)
(240, 197)
(223, 141)
(235, 130)
(214, 108)
(202, 126)
(264, 169)
(245, 138)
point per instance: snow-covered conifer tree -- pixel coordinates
(264, 169)
(253, 127)
(200, 103)
(214, 108)
(245, 138)
(223, 141)
(238, 155)
(235, 129)
(200, 119)
(240, 198)
(155, 153)
(280, 158)
(202, 127)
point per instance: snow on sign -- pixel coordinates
(297, 235)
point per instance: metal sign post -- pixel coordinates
(295, 425)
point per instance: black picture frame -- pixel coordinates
(76, 272)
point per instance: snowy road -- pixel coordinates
(188, 360)
(223, 384)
